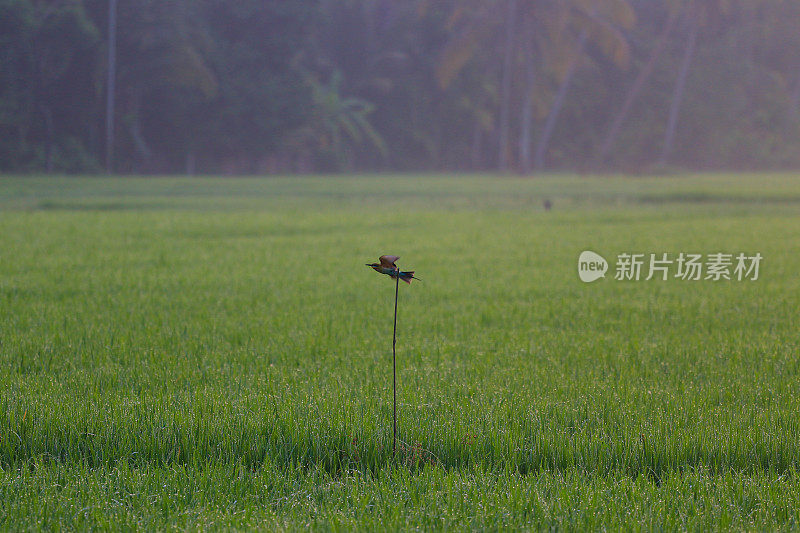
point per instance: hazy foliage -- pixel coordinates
(315, 85)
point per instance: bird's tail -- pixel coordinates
(408, 276)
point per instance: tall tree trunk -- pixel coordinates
(475, 153)
(633, 93)
(749, 41)
(50, 138)
(680, 87)
(527, 118)
(527, 102)
(505, 95)
(135, 128)
(191, 162)
(558, 103)
(795, 99)
(22, 141)
(110, 82)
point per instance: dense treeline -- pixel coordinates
(258, 86)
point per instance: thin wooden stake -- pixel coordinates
(394, 365)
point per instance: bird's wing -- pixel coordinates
(388, 261)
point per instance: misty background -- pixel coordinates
(279, 86)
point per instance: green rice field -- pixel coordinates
(212, 354)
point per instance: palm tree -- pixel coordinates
(341, 121)
(160, 48)
(598, 21)
(552, 31)
(638, 84)
(697, 14)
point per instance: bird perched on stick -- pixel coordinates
(387, 266)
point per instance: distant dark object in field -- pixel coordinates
(547, 204)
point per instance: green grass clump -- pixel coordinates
(212, 353)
